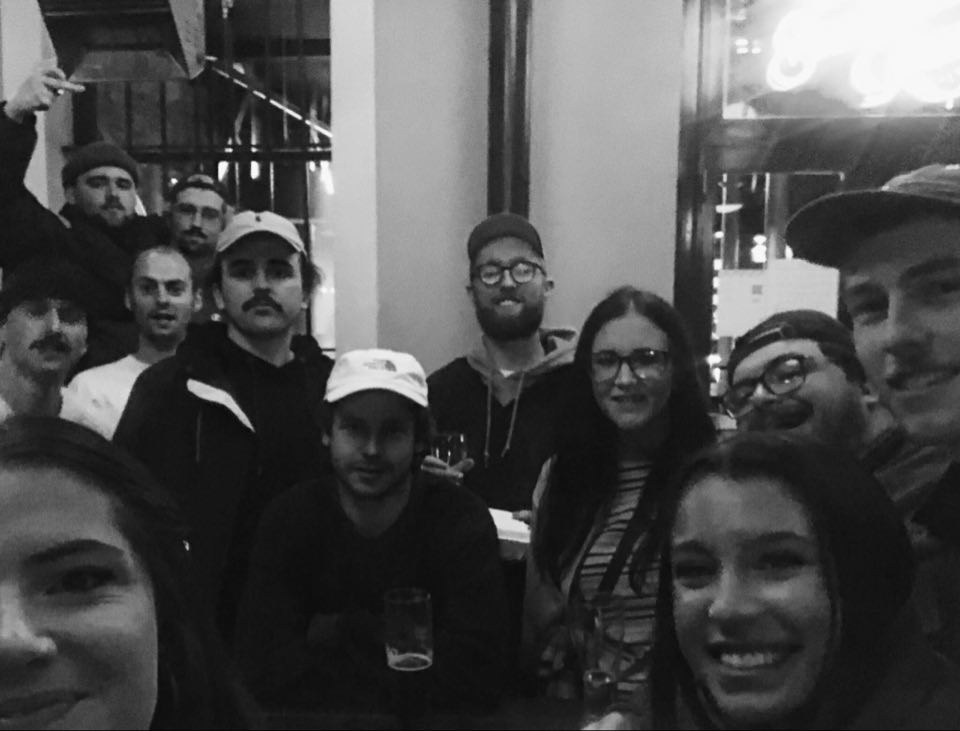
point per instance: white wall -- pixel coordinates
(410, 87)
(410, 146)
(605, 108)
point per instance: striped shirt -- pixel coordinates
(627, 645)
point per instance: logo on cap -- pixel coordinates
(380, 365)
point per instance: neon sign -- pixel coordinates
(894, 48)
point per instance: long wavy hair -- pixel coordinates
(195, 687)
(867, 562)
(583, 480)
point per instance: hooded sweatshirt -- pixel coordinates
(510, 419)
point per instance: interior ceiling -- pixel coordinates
(283, 44)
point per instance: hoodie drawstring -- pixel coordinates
(513, 418)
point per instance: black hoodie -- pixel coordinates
(104, 254)
(226, 432)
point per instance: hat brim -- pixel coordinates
(826, 230)
(340, 392)
(297, 246)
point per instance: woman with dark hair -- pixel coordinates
(638, 410)
(96, 626)
(784, 600)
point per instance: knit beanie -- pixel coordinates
(95, 155)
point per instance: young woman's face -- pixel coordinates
(751, 608)
(631, 371)
(78, 628)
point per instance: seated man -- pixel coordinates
(162, 298)
(310, 630)
(43, 332)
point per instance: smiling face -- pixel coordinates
(508, 310)
(372, 442)
(161, 297)
(902, 289)
(751, 609)
(827, 406)
(261, 290)
(44, 338)
(107, 193)
(78, 629)
(631, 403)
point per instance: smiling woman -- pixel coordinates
(96, 631)
(785, 599)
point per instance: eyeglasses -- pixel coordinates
(521, 272)
(642, 362)
(782, 376)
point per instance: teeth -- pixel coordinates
(750, 659)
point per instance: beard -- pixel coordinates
(513, 327)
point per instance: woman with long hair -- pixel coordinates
(639, 409)
(784, 601)
(96, 625)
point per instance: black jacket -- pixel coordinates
(104, 255)
(309, 559)
(227, 432)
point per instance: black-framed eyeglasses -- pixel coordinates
(521, 272)
(782, 376)
(642, 362)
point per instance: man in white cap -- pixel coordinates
(310, 631)
(233, 418)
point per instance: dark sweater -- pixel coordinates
(309, 559)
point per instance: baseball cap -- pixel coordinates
(95, 155)
(251, 222)
(824, 230)
(377, 369)
(501, 225)
(792, 325)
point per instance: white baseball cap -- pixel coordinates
(377, 369)
(251, 222)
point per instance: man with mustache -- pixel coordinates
(198, 212)
(97, 230)
(231, 420)
(311, 628)
(798, 371)
(43, 333)
(506, 394)
(162, 297)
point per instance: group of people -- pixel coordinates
(200, 511)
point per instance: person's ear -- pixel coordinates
(197, 299)
(325, 440)
(548, 285)
(70, 194)
(127, 301)
(218, 297)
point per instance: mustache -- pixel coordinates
(778, 416)
(261, 299)
(54, 342)
(112, 204)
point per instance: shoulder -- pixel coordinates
(455, 505)
(453, 371)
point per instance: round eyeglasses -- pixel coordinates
(643, 363)
(782, 376)
(521, 272)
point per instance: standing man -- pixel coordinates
(43, 333)
(232, 419)
(162, 298)
(98, 229)
(506, 394)
(311, 628)
(198, 214)
(898, 251)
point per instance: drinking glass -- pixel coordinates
(408, 639)
(597, 633)
(449, 447)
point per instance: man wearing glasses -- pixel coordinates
(798, 371)
(198, 213)
(505, 394)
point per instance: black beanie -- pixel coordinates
(95, 155)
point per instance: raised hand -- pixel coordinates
(40, 90)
